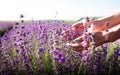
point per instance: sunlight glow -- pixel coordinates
(46, 9)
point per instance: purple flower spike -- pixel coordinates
(22, 51)
(94, 67)
(41, 49)
(87, 19)
(51, 51)
(61, 60)
(106, 24)
(21, 16)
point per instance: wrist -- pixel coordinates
(95, 25)
(99, 24)
(114, 32)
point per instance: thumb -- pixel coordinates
(77, 25)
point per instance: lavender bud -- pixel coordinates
(21, 16)
(107, 30)
(87, 19)
(16, 23)
(106, 24)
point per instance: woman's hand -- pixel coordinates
(77, 29)
(97, 39)
(96, 26)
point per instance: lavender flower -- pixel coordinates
(41, 49)
(36, 48)
(21, 16)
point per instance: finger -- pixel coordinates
(65, 32)
(74, 45)
(79, 39)
(79, 49)
(77, 25)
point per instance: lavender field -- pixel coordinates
(36, 48)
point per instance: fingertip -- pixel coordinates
(77, 25)
(74, 44)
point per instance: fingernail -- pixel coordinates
(76, 40)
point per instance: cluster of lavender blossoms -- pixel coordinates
(35, 47)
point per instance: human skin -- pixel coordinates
(99, 39)
(98, 27)
(99, 24)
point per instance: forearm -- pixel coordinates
(113, 20)
(113, 34)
